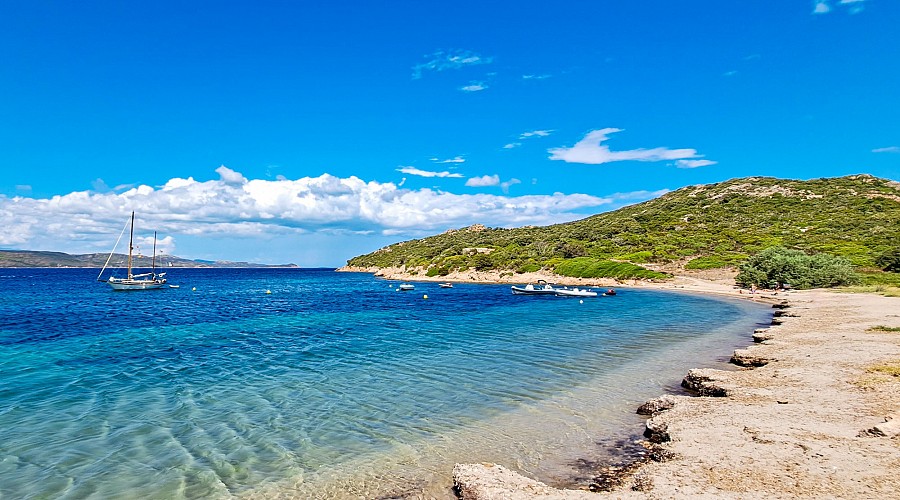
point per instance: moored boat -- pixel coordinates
(406, 287)
(575, 292)
(540, 288)
(145, 281)
(446, 285)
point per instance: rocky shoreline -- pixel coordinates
(809, 415)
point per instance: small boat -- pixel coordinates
(575, 292)
(406, 287)
(541, 288)
(446, 285)
(145, 281)
(609, 293)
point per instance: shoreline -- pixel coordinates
(803, 414)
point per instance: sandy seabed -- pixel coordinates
(816, 419)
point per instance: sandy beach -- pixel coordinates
(813, 412)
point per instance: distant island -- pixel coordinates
(28, 258)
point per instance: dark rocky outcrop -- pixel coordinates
(745, 357)
(657, 432)
(703, 382)
(657, 405)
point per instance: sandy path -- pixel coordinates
(795, 427)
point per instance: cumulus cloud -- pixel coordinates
(512, 182)
(426, 173)
(590, 150)
(512, 145)
(233, 207)
(450, 59)
(483, 181)
(229, 176)
(889, 149)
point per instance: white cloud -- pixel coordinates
(458, 159)
(694, 163)
(229, 176)
(505, 185)
(590, 150)
(483, 181)
(824, 6)
(821, 7)
(217, 217)
(451, 59)
(474, 87)
(535, 77)
(426, 173)
(535, 133)
(889, 149)
(512, 145)
(729, 73)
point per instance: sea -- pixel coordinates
(311, 383)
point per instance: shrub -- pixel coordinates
(889, 261)
(778, 265)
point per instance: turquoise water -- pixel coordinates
(334, 385)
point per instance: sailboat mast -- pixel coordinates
(130, 245)
(154, 255)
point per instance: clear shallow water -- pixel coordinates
(333, 385)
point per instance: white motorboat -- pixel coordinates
(574, 292)
(406, 287)
(446, 285)
(541, 288)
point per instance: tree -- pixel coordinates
(776, 266)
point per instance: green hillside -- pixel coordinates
(706, 226)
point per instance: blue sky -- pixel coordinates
(310, 133)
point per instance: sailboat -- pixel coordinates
(145, 281)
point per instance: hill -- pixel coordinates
(696, 227)
(25, 258)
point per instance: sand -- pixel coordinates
(818, 419)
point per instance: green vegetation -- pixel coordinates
(892, 368)
(702, 227)
(777, 266)
(587, 267)
(889, 261)
(882, 328)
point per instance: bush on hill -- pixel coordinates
(781, 266)
(889, 261)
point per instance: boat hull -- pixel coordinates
(517, 290)
(575, 293)
(123, 285)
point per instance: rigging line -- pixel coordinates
(113, 251)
